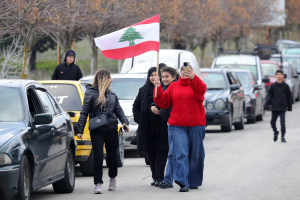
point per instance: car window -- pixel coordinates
(127, 88)
(213, 80)
(252, 68)
(253, 80)
(66, 95)
(11, 107)
(243, 78)
(232, 79)
(46, 102)
(269, 69)
(55, 105)
(294, 60)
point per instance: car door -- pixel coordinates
(241, 95)
(58, 144)
(44, 133)
(234, 97)
(258, 96)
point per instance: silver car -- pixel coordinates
(126, 87)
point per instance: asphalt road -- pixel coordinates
(244, 164)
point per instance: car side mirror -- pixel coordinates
(296, 76)
(266, 80)
(298, 71)
(43, 119)
(257, 87)
(234, 87)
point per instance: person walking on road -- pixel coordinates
(168, 76)
(280, 97)
(97, 98)
(150, 137)
(67, 70)
(186, 126)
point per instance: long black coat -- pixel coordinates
(280, 97)
(90, 105)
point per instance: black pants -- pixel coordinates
(157, 157)
(110, 139)
(275, 115)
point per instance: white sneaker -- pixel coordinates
(98, 189)
(112, 184)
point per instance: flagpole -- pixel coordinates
(157, 68)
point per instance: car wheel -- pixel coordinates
(24, 183)
(229, 126)
(120, 152)
(240, 125)
(252, 120)
(67, 184)
(147, 160)
(87, 167)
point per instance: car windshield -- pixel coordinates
(252, 68)
(269, 69)
(243, 78)
(213, 80)
(127, 88)
(66, 95)
(11, 109)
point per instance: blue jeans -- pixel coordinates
(186, 156)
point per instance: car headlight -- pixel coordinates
(4, 159)
(247, 99)
(219, 104)
(209, 106)
(131, 120)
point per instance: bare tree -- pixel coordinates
(11, 66)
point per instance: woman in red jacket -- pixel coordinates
(187, 126)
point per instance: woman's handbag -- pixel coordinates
(134, 138)
(99, 122)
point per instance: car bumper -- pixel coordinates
(9, 176)
(249, 111)
(129, 135)
(217, 117)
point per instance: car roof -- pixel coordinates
(16, 82)
(60, 81)
(236, 59)
(242, 70)
(285, 55)
(287, 41)
(215, 70)
(119, 75)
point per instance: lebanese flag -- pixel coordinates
(131, 41)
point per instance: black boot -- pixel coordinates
(283, 139)
(275, 136)
(163, 185)
(157, 183)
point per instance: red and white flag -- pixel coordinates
(131, 41)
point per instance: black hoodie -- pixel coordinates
(280, 97)
(67, 72)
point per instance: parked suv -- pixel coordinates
(224, 99)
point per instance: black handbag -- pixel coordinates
(134, 139)
(99, 122)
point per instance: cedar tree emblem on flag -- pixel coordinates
(142, 37)
(130, 35)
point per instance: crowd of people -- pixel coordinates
(171, 117)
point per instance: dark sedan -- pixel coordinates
(37, 145)
(224, 99)
(253, 96)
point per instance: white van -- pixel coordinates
(171, 57)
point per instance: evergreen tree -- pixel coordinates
(130, 35)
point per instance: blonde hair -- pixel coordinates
(101, 81)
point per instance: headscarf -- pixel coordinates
(182, 67)
(146, 89)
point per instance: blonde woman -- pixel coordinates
(95, 99)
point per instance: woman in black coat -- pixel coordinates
(149, 135)
(99, 98)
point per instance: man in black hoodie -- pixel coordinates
(67, 70)
(280, 97)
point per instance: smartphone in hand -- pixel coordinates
(186, 66)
